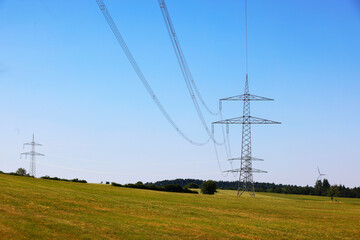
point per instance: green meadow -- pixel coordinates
(45, 209)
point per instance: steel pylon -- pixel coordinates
(32, 153)
(246, 182)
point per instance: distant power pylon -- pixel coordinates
(32, 153)
(246, 170)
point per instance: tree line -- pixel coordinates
(165, 188)
(321, 188)
(207, 187)
(22, 172)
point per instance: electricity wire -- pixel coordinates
(185, 72)
(141, 76)
(228, 155)
(179, 53)
(218, 162)
(190, 83)
(188, 78)
(246, 40)
(227, 144)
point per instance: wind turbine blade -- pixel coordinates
(318, 170)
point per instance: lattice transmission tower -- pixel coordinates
(246, 170)
(32, 153)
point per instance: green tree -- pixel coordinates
(325, 187)
(318, 187)
(21, 171)
(191, 185)
(334, 192)
(208, 187)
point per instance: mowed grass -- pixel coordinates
(45, 209)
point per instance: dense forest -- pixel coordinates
(321, 188)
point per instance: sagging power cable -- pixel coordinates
(190, 83)
(186, 72)
(141, 76)
(180, 55)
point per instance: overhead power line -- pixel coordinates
(141, 76)
(190, 83)
(180, 55)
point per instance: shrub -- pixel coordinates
(208, 187)
(115, 184)
(21, 172)
(80, 181)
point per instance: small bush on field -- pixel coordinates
(21, 172)
(80, 181)
(208, 187)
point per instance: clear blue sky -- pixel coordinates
(64, 77)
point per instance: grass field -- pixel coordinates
(45, 209)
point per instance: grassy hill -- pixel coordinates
(45, 209)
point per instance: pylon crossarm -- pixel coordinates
(33, 153)
(253, 170)
(232, 171)
(246, 96)
(246, 158)
(33, 143)
(246, 120)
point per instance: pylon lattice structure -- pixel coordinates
(246, 170)
(246, 182)
(32, 153)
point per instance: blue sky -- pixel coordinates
(64, 77)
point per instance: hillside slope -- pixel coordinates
(45, 209)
